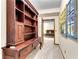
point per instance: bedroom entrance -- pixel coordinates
(48, 30)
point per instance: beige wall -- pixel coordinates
(67, 45)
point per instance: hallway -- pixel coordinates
(52, 52)
(29, 24)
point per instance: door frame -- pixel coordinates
(42, 32)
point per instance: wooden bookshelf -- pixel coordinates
(22, 29)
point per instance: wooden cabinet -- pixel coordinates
(20, 51)
(21, 29)
(21, 17)
(35, 44)
(19, 33)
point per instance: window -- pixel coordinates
(72, 25)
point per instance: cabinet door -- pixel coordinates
(24, 52)
(19, 33)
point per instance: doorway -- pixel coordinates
(48, 30)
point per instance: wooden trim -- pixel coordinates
(3, 56)
(31, 7)
(56, 44)
(42, 27)
(54, 32)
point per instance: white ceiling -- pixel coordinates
(45, 4)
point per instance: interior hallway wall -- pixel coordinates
(3, 25)
(39, 26)
(67, 45)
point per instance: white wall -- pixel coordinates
(39, 26)
(69, 48)
(67, 45)
(3, 23)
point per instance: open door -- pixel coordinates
(42, 31)
(56, 37)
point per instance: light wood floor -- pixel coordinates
(49, 51)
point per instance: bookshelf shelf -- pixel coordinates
(21, 29)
